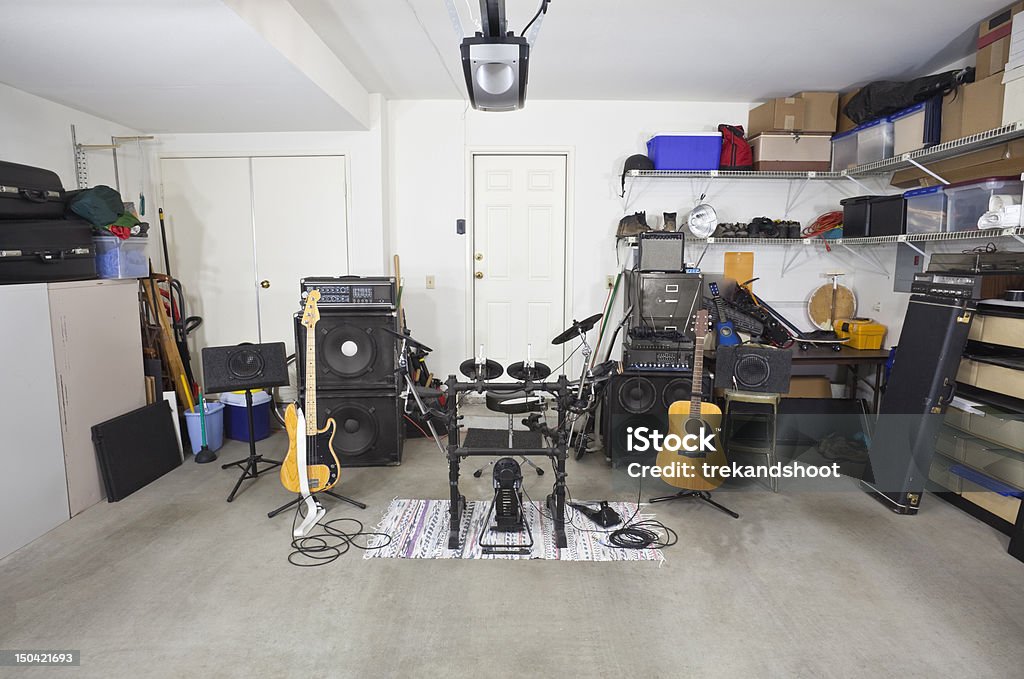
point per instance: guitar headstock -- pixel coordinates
(311, 314)
(713, 286)
(701, 324)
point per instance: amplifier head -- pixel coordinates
(351, 292)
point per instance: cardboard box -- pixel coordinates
(994, 36)
(1003, 507)
(998, 161)
(998, 23)
(845, 124)
(952, 116)
(809, 386)
(991, 59)
(821, 111)
(782, 115)
(983, 105)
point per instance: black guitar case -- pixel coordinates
(30, 192)
(42, 251)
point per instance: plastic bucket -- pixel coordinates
(214, 427)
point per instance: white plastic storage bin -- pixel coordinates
(117, 258)
(844, 151)
(926, 210)
(969, 200)
(874, 141)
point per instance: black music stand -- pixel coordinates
(249, 465)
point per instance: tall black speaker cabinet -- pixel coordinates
(920, 387)
(356, 382)
(641, 399)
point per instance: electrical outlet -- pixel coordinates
(609, 282)
(877, 307)
(430, 282)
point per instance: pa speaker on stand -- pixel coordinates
(246, 367)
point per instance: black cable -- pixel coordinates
(543, 9)
(643, 534)
(568, 358)
(328, 545)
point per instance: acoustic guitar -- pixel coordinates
(691, 417)
(321, 462)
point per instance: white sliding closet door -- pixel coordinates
(243, 231)
(299, 203)
(209, 236)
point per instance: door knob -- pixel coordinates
(479, 275)
(264, 284)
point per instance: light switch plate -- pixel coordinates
(430, 282)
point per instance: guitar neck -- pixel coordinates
(698, 378)
(310, 382)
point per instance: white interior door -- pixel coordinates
(301, 231)
(208, 205)
(519, 219)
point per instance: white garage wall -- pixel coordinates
(37, 131)
(369, 249)
(429, 142)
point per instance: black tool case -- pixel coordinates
(46, 250)
(29, 193)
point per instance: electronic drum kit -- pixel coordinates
(531, 374)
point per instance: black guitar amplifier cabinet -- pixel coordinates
(919, 389)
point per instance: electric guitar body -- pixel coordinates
(310, 449)
(321, 476)
(692, 421)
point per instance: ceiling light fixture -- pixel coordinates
(495, 60)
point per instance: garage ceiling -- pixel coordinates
(697, 50)
(160, 66)
(267, 65)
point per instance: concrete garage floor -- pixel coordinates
(174, 582)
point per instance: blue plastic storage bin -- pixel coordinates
(214, 427)
(117, 258)
(693, 151)
(236, 420)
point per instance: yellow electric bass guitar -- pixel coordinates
(698, 419)
(321, 460)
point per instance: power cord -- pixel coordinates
(643, 534)
(327, 546)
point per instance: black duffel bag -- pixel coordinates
(28, 192)
(885, 97)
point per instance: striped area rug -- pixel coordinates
(419, 530)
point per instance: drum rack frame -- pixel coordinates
(558, 453)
